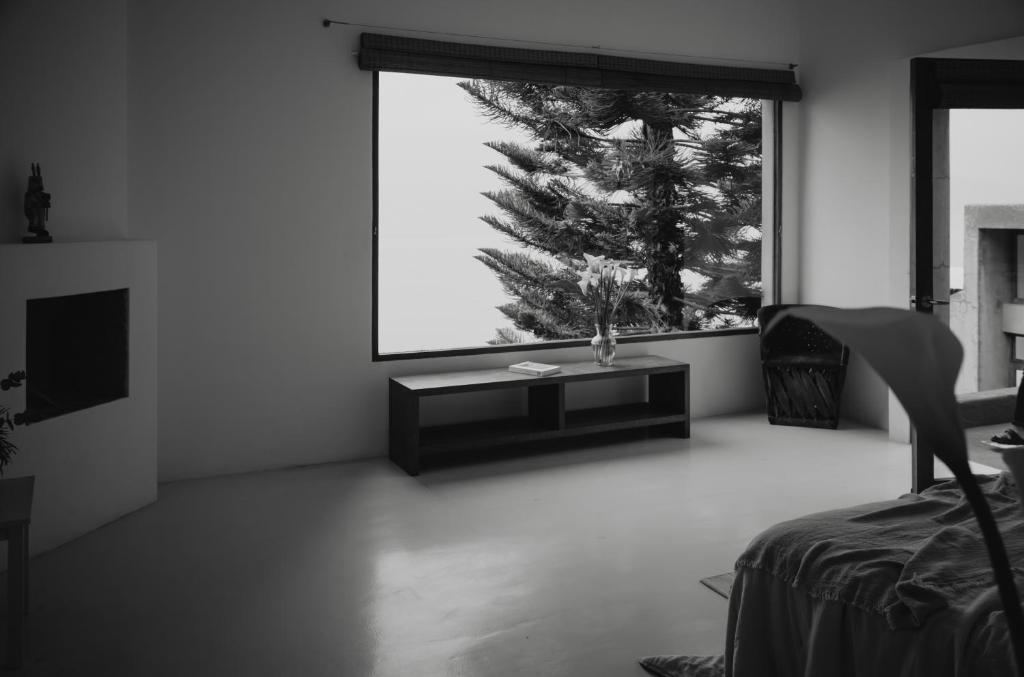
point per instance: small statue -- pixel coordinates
(37, 207)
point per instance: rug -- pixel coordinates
(722, 583)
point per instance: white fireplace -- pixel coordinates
(95, 460)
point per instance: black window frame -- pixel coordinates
(430, 57)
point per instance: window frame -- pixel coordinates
(771, 228)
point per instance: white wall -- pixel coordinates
(855, 145)
(63, 72)
(245, 153)
(95, 464)
(63, 77)
(1009, 48)
(249, 146)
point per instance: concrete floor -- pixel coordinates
(569, 563)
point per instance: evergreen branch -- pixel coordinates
(543, 200)
(681, 188)
(531, 227)
(527, 159)
(489, 101)
(511, 230)
(508, 336)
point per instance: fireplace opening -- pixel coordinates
(76, 352)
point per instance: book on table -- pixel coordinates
(534, 368)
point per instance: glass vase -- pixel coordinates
(603, 344)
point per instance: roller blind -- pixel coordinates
(969, 83)
(433, 57)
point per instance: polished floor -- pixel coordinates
(572, 563)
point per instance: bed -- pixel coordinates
(898, 588)
(895, 588)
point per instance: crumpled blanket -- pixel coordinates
(908, 581)
(903, 559)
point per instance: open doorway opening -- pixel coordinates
(940, 87)
(986, 238)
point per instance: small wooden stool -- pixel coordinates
(15, 513)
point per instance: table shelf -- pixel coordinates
(621, 417)
(475, 433)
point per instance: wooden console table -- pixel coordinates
(667, 406)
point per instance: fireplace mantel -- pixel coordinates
(96, 464)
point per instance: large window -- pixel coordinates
(490, 191)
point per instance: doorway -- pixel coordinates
(965, 256)
(986, 235)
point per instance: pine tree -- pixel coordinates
(671, 182)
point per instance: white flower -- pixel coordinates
(594, 263)
(606, 280)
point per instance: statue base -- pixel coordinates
(38, 235)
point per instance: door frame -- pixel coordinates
(938, 85)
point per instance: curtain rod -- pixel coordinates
(327, 23)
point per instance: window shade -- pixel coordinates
(432, 57)
(969, 83)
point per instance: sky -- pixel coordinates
(422, 302)
(986, 148)
(986, 153)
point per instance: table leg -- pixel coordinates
(670, 392)
(404, 428)
(17, 594)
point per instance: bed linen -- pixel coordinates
(897, 588)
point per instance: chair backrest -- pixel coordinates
(794, 337)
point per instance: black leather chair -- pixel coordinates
(803, 369)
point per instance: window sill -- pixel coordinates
(555, 345)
